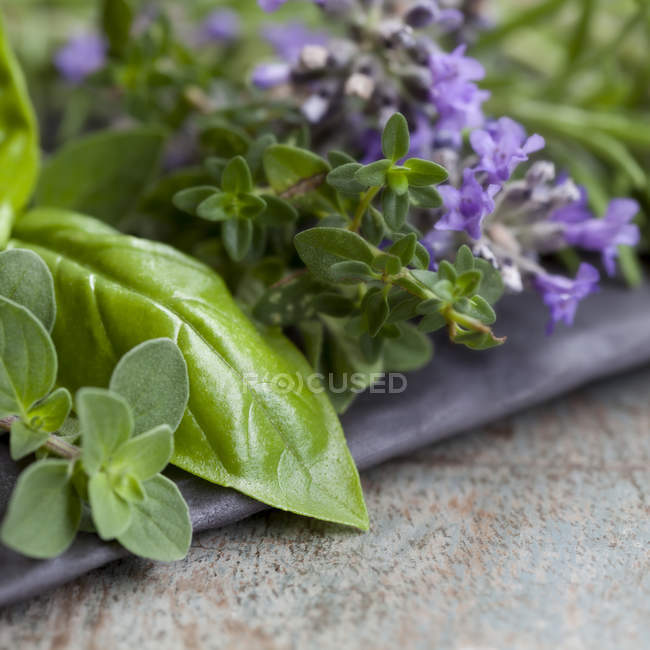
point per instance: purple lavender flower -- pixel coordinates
(81, 56)
(562, 294)
(454, 93)
(604, 235)
(466, 207)
(220, 26)
(290, 39)
(270, 5)
(502, 145)
(268, 75)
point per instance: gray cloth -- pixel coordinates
(458, 390)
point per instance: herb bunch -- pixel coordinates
(98, 471)
(361, 278)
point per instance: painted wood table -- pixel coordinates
(531, 533)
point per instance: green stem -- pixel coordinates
(364, 204)
(54, 444)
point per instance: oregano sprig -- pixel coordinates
(122, 440)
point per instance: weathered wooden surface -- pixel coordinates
(533, 533)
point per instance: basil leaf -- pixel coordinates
(44, 511)
(160, 527)
(102, 174)
(240, 430)
(25, 279)
(29, 362)
(19, 151)
(106, 424)
(24, 440)
(111, 513)
(152, 377)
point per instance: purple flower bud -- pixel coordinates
(288, 40)
(220, 26)
(270, 5)
(604, 235)
(268, 75)
(466, 207)
(454, 93)
(562, 294)
(501, 147)
(81, 56)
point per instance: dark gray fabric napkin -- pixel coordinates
(458, 390)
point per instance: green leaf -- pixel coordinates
(387, 263)
(29, 363)
(398, 181)
(321, 248)
(395, 140)
(189, 200)
(25, 279)
(237, 235)
(250, 206)
(424, 172)
(294, 172)
(373, 226)
(491, 287)
(422, 259)
(153, 379)
(376, 310)
(160, 527)
(288, 303)
(351, 272)
(425, 197)
(395, 208)
(44, 511)
(410, 351)
(19, 149)
(226, 140)
(117, 18)
(129, 488)
(337, 158)
(240, 430)
(373, 174)
(464, 259)
(468, 282)
(447, 272)
(219, 206)
(102, 174)
(334, 304)
(236, 177)
(111, 513)
(343, 178)
(404, 248)
(24, 440)
(50, 413)
(277, 212)
(106, 424)
(145, 455)
(432, 322)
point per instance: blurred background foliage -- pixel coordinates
(576, 71)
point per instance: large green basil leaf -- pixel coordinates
(19, 152)
(103, 174)
(244, 428)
